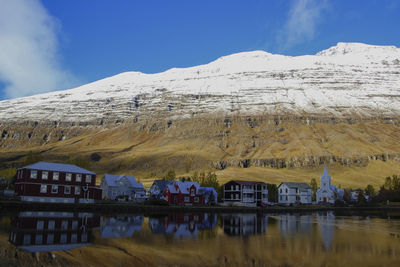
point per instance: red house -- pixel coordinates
(37, 231)
(183, 193)
(57, 183)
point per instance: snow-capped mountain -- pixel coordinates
(344, 80)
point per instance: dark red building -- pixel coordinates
(57, 183)
(37, 231)
(183, 193)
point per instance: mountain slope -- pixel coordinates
(253, 109)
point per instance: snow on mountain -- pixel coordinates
(346, 79)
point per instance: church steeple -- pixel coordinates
(325, 179)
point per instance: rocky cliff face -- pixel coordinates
(248, 109)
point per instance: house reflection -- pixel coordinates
(244, 224)
(295, 224)
(121, 226)
(182, 225)
(36, 231)
(326, 224)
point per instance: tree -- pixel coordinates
(314, 188)
(361, 199)
(170, 176)
(370, 190)
(272, 192)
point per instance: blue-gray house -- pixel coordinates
(122, 185)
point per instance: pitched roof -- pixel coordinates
(296, 185)
(162, 184)
(247, 182)
(57, 167)
(183, 186)
(113, 179)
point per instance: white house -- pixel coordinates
(294, 193)
(328, 193)
(122, 185)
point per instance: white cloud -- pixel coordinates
(29, 60)
(303, 18)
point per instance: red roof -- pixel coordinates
(247, 182)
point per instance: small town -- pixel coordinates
(49, 182)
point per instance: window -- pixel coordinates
(186, 199)
(38, 239)
(232, 187)
(50, 238)
(280, 190)
(64, 225)
(196, 199)
(67, 190)
(286, 190)
(40, 225)
(77, 190)
(33, 174)
(74, 238)
(88, 178)
(63, 238)
(74, 225)
(237, 196)
(78, 177)
(192, 192)
(286, 198)
(55, 176)
(68, 177)
(84, 237)
(281, 198)
(54, 189)
(45, 175)
(43, 188)
(27, 239)
(237, 187)
(51, 225)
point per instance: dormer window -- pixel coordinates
(78, 177)
(192, 191)
(68, 177)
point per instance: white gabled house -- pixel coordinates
(328, 193)
(294, 193)
(122, 185)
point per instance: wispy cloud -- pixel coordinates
(303, 19)
(29, 60)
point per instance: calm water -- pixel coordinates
(315, 239)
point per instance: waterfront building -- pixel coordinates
(157, 189)
(244, 224)
(294, 193)
(328, 193)
(38, 231)
(121, 226)
(115, 186)
(183, 193)
(56, 182)
(245, 193)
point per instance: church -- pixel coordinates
(328, 193)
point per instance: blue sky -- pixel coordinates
(48, 45)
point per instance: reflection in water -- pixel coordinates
(326, 224)
(313, 239)
(182, 224)
(121, 226)
(244, 224)
(295, 224)
(49, 231)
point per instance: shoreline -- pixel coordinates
(17, 206)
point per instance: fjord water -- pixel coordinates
(202, 239)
